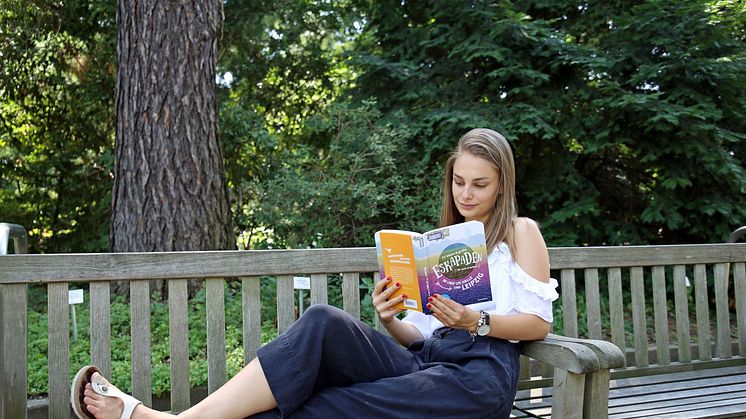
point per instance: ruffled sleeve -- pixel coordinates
(522, 293)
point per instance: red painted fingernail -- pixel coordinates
(398, 284)
(435, 295)
(388, 278)
(404, 296)
(429, 298)
(429, 306)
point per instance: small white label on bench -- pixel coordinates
(302, 282)
(75, 296)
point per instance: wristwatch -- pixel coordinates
(483, 325)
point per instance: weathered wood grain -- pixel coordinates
(14, 342)
(58, 350)
(569, 303)
(681, 304)
(592, 303)
(158, 265)
(215, 296)
(319, 289)
(722, 317)
(252, 317)
(285, 303)
(140, 337)
(660, 314)
(178, 329)
(739, 279)
(703, 312)
(351, 293)
(616, 308)
(100, 302)
(639, 323)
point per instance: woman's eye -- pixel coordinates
(480, 186)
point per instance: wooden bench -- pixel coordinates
(571, 380)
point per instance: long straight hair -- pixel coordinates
(494, 148)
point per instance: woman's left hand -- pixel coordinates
(453, 314)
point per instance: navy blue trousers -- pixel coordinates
(329, 364)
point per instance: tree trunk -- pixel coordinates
(169, 187)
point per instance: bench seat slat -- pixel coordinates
(688, 411)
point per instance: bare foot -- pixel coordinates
(102, 407)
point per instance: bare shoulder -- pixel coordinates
(531, 251)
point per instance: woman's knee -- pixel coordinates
(324, 314)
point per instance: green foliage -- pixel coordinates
(626, 118)
(56, 119)
(340, 192)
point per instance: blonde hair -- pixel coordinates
(494, 148)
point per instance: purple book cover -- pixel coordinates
(457, 265)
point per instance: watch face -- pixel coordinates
(483, 330)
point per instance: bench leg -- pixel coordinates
(567, 401)
(596, 401)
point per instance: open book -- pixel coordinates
(450, 261)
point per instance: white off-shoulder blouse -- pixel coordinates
(513, 291)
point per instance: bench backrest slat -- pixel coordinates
(215, 312)
(639, 321)
(140, 337)
(616, 308)
(351, 293)
(739, 279)
(319, 293)
(681, 303)
(285, 303)
(721, 312)
(593, 303)
(660, 313)
(178, 331)
(703, 312)
(100, 331)
(569, 303)
(59, 349)
(252, 316)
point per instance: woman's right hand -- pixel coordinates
(383, 302)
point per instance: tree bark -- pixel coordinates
(169, 187)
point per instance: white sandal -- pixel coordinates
(101, 386)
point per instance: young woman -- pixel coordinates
(459, 362)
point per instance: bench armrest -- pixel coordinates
(609, 355)
(563, 354)
(581, 380)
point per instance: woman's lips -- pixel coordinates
(467, 206)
